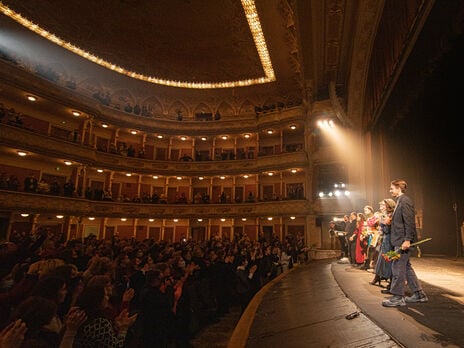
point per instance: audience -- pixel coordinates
(128, 293)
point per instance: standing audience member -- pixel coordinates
(403, 233)
(158, 310)
(13, 335)
(43, 329)
(98, 330)
(244, 287)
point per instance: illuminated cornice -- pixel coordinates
(253, 22)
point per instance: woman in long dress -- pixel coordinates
(383, 267)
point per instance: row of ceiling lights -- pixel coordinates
(76, 113)
(92, 218)
(69, 163)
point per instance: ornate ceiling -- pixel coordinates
(192, 40)
(318, 49)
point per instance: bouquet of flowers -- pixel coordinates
(395, 255)
(391, 255)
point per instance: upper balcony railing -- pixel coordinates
(49, 204)
(27, 140)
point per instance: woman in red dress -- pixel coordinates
(361, 240)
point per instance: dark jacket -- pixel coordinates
(403, 225)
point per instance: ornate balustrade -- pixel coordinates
(38, 143)
(47, 204)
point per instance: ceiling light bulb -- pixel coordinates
(31, 98)
(22, 153)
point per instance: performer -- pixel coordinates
(382, 266)
(370, 234)
(337, 231)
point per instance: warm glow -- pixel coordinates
(31, 98)
(179, 178)
(24, 215)
(59, 216)
(199, 220)
(128, 174)
(123, 219)
(151, 220)
(183, 138)
(253, 22)
(22, 153)
(104, 125)
(269, 218)
(245, 176)
(76, 113)
(224, 137)
(134, 132)
(159, 136)
(222, 177)
(270, 131)
(91, 218)
(223, 219)
(247, 136)
(293, 171)
(244, 219)
(155, 176)
(200, 178)
(292, 127)
(326, 124)
(175, 220)
(100, 170)
(292, 217)
(203, 138)
(68, 163)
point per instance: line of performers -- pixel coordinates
(365, 237)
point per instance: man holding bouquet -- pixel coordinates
(403, 233)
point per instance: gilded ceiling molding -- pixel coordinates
(369, 15)
(254, 24)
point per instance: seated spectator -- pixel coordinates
(186, 158)
(107, 196)
(250, 197)
(43, 186)
(13, 183)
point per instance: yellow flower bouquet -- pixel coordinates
(395, 255)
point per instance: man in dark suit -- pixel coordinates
(403, 233)
(350, 228)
